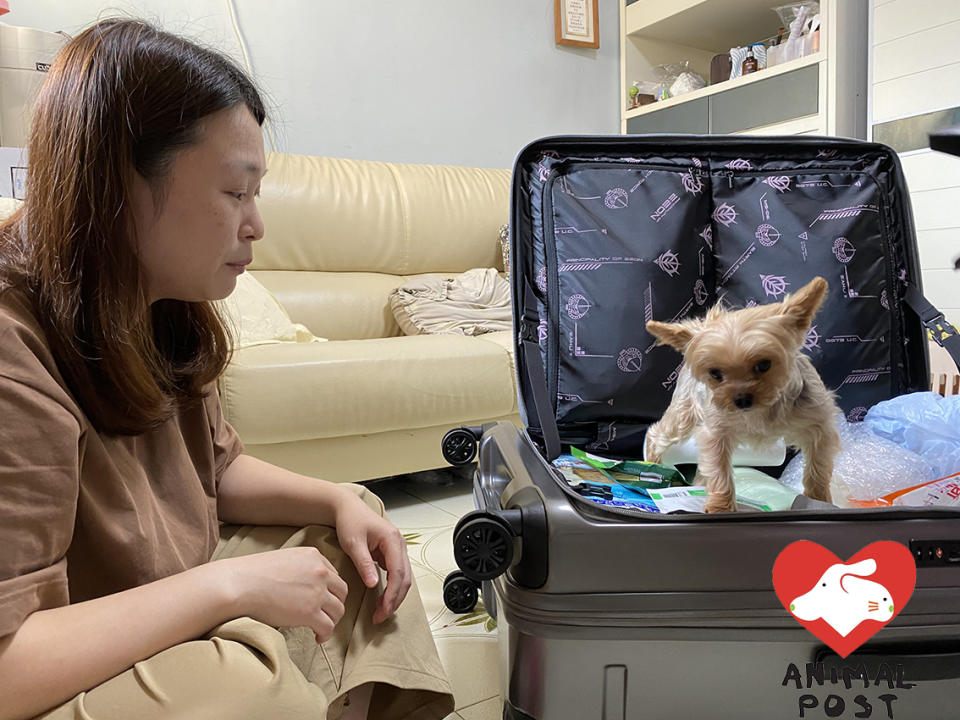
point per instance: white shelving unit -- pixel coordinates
(823, 93)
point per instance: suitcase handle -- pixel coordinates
(918, 663)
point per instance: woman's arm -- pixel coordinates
(255, 492)
(60, 652)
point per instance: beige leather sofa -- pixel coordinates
(340, 236)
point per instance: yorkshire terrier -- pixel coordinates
(744, 380)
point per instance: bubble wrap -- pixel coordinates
(924, 423)
(867, 466)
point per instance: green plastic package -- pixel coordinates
(634, 473)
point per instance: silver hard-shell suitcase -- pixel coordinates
(607, 613)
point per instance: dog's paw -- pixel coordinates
(822, 494)
(720, 504)
(816, 488)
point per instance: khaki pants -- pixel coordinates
(247, 670)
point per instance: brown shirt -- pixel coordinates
(84, 515)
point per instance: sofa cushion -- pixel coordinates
(283, 393)
(339, 305)
(257, 317)
(337, 215)
(502, 339)
(472, 303)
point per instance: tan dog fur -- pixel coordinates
(786, 400)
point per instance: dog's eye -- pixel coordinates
(716, 374)
(762, 366)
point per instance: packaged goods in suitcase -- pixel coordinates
(610, 611)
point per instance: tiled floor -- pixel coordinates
(425, 507)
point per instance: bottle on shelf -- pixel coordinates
(749, 63)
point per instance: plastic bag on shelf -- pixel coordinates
(791, 11)
(796, 17)
(687, 82)
(923, 422)
(641, 92)
(866, 468)
(678, 79)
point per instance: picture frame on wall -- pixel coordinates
(576, 23)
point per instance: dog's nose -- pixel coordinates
(743, 401)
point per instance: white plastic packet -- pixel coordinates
(944, 493)
(693, 499)
(688, 452)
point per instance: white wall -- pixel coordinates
(916, 69)
(462, 82)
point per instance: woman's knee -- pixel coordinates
(242, 670)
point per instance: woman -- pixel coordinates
(121, 595)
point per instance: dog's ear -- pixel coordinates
(676, 335)
(800, 307)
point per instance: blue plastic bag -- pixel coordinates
(925, 423)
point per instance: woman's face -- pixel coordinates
(201, 237)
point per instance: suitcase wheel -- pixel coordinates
(483, 546)
(459, 593)
(459, 446)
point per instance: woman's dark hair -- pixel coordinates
(122, 97)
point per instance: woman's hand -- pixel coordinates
(370, 540)
(289, 587)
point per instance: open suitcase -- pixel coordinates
(604, 613)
